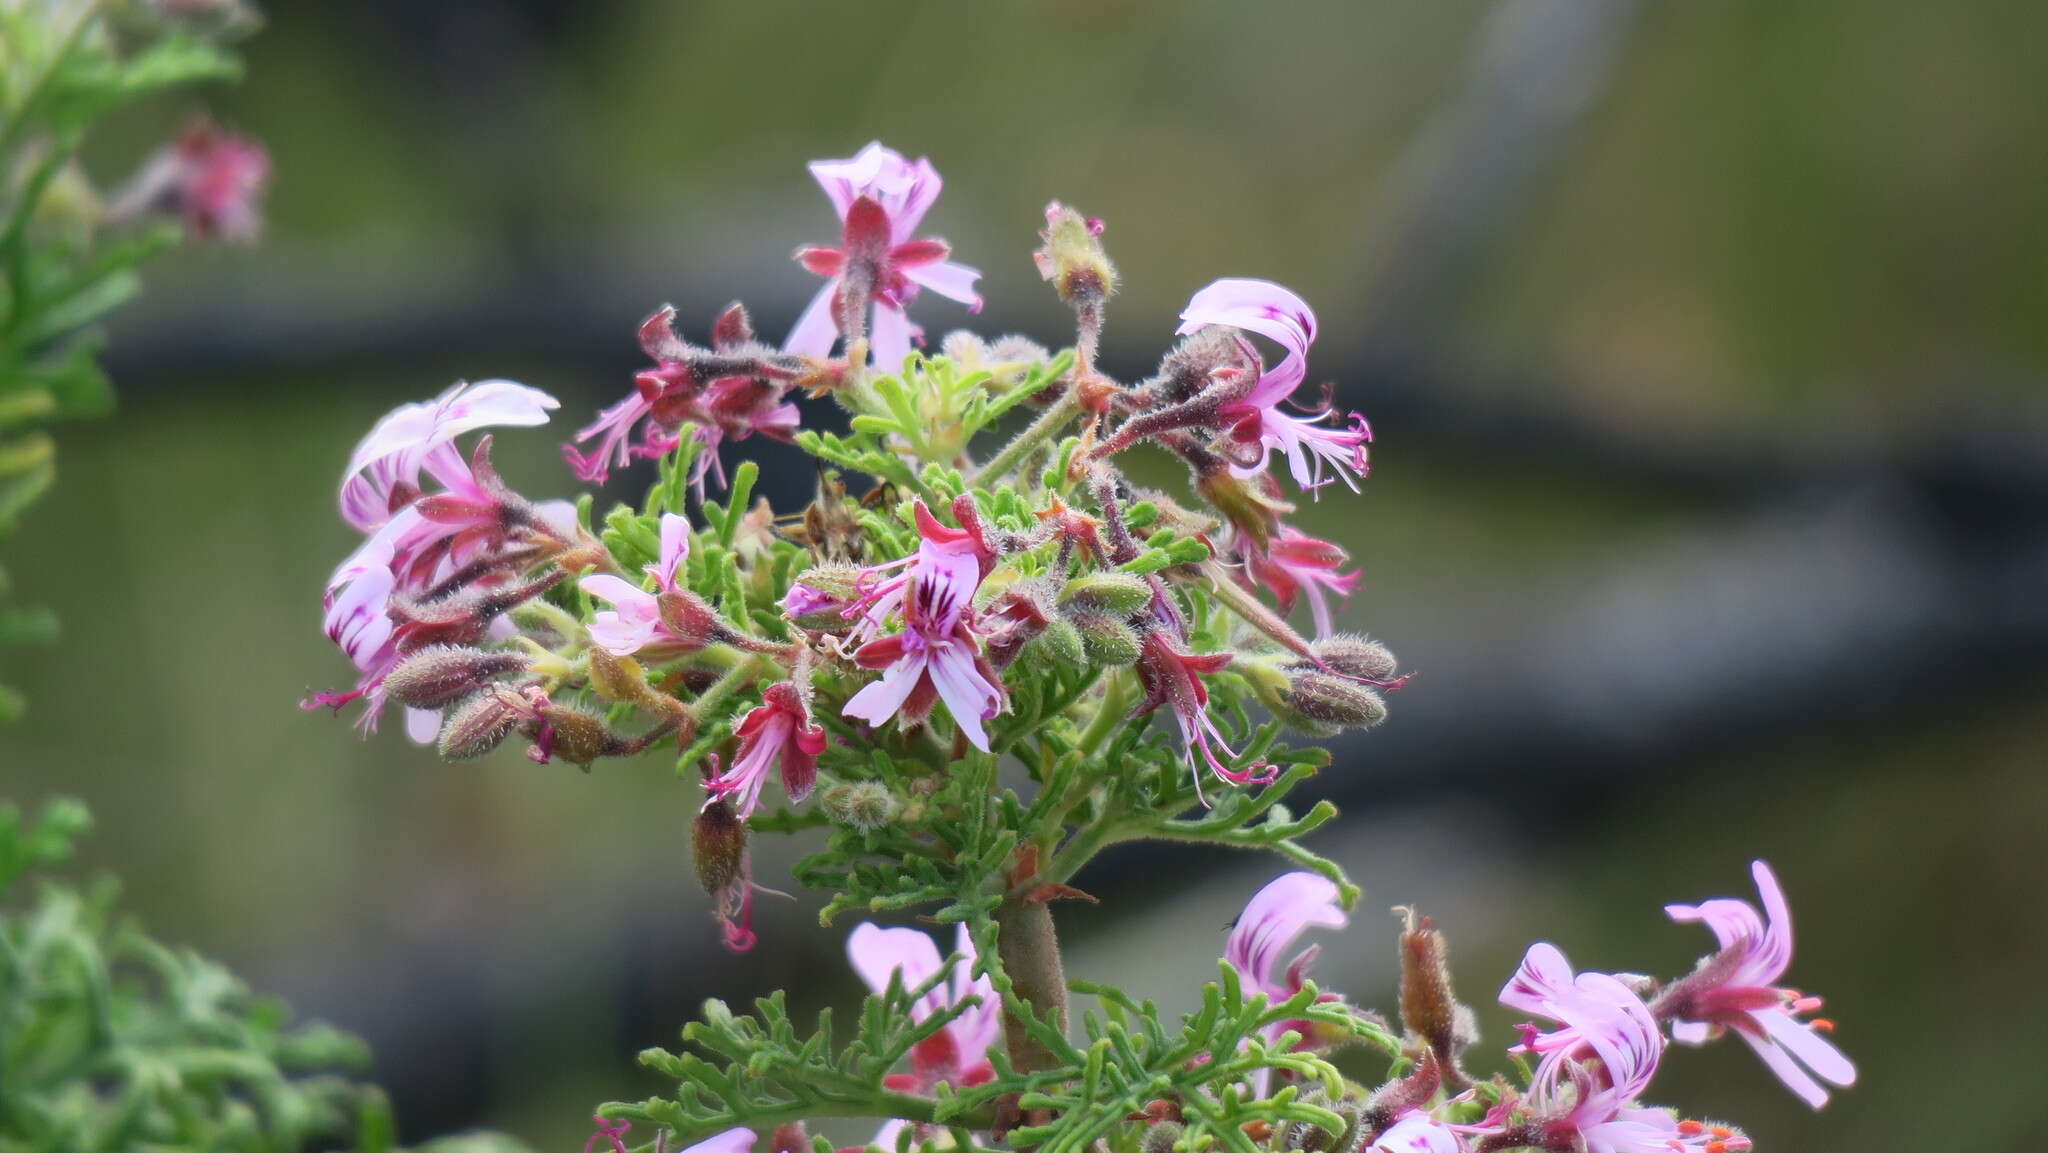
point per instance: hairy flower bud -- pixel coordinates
(616, 678)
(1356, 656)
(1307, 1137)
(573, 735)
(1059, 644)
(1119, 593)
(718, 844)
(1429, 1012)
(1160, 1137)
(1073, 259)
(1321, 703)
(479, 724)
(1251, 505)
(1107, 640)
(440, 675)
(862, 805)
(693, 622)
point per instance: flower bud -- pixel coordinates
(718, 843)
(440, 675)
(862, 805)
(1073, 259)
(694, 622)
(573, 735)
(1059, 644)
(479, 724)
(616, 678)
(1119, 593)
(1107, 640)
(1356, 656)
(1429, 1012)
(1160, 1137)
(1321, 703)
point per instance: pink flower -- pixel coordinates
(1173, 677)
(1415, 1132)
(957, 1054)
(1310, 445)
(880, 198)
(936, 656)
(779, 731)
(1295, 563)
(1594, 1067)
(419, 541)
(1272, 921)
(1736, 989)
(730, 391)
(383, 473)
(634, 622)
(210, 177)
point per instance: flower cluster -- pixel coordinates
(941, 624)
(917, 609)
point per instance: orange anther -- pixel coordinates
(1722, 1131)
(1717, 1147)
(1823, 1024)
(1691, 1128)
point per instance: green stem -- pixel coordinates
(1048, 422)
(1115, 702)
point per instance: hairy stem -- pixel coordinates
(1030, 953)
(1050, 421)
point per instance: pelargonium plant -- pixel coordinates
(977, 658)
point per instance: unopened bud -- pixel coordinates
(692, 621)
(1115, 592)
(862, 805)
(440, 675)
(1160, 1137)
(718, 843)
(573, 735)
(1073, 259)
(1429, 1011)
(479, 724)
(1356, 656)
(1107, 640)
(616, 678)
(1319, 702)
(1060, 644)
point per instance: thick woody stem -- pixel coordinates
(1030, 953)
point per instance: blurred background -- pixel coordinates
(1705, 348)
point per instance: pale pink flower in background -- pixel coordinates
(1310, 446)
(210, 177)
(1272, 921)
(634, 621)
(936, 656)
(957, 1054)
(1295, 563)
(779, 732)
(880, 198)
(1736, 989)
